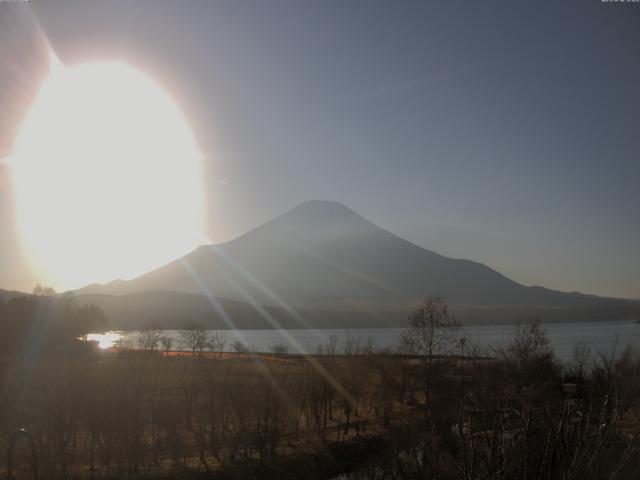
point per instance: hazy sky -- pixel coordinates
(504, 132)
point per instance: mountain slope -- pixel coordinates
(6, 295)
(322, 256)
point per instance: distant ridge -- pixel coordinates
(323, 257)
(9, 294)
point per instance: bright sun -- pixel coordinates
(107, 176)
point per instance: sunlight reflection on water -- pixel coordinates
(105, 340)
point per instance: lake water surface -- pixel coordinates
(604, 337)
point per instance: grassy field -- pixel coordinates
(415, 413)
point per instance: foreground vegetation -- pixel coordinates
(433, 408)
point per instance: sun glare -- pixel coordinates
(105, 340)
(107, 176)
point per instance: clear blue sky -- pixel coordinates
(504, 132)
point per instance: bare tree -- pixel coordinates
(218, 342)
(167, 343)
(149, 339)
(580, 359)
(432, 332)
(239, 347)
(279, 348)
(195, 338)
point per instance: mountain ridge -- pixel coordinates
(323, 256)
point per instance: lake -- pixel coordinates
(601, 337)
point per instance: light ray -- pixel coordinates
(217, 250)
(309, 358)
(213, 300)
